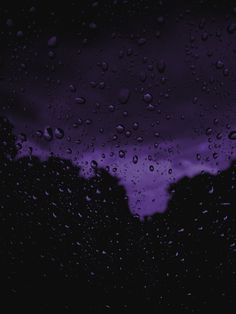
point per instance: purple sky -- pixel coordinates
(168, 100)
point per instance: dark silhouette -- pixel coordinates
(69, 244)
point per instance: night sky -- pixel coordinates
(131, 105)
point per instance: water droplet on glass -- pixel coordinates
(219, 64)
(48, 134)
(121, 154)
(151, 168)
(124, 95)
(135, 159)
(147, 97)
(231, 28)
(52, 42)
(80, 100)
(120, 128)
(232, 135)
(94, 164)
(161, 66)
(59, 133)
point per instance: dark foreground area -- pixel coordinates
(70, 244)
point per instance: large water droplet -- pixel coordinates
(120, 128)
(48, 134)
(232, 135)
(147, 97)
(59, 133)
(121, 154)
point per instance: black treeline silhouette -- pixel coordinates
(71, 245)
